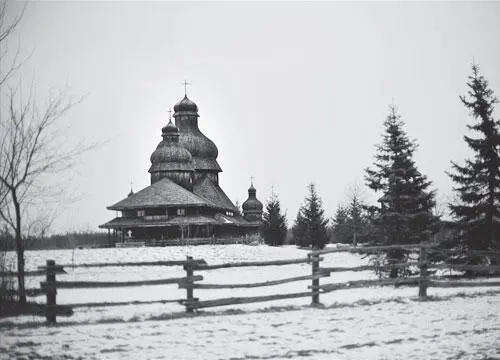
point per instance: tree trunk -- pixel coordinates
(19, 251)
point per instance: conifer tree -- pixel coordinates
(477, 183)
(299, 230)
(341, 225)
(311, 223)
(351, 221)
(405, 215)
(274, 227)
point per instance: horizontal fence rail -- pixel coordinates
(425, 279)
(369, 249)
(252, 263)
(113, 284)
(244, 300)
(145, 263)
(253, 285)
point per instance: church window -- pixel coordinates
(141, 212)
(181, 212)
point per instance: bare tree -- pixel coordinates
(31, 148)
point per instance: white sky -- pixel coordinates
(291, 93)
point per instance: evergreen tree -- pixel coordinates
(405, 215)
(299, 230)
(274, 227)
(341, 226)
(314, 219)
(477, 183)
(358, 216)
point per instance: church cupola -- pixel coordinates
(252, 207)
(171, 160)
(186, 106)
(201, 148)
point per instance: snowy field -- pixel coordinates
(375, 323)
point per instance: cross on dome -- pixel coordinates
(185, 83)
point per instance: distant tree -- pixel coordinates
(405, 215)
(274, 227)
(477, 183)
(341, 226)
(311, 223)
(238, 207)
(351, 221)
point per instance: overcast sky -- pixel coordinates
(291, 93)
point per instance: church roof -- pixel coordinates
(217, 219)
(212, 192)
(162, 193)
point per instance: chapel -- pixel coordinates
(184, 200)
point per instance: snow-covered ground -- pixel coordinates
(375, 323)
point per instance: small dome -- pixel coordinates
(170, 128)
(185, 105)
(252, 204)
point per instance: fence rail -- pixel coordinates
(191, 282)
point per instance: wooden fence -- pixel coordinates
(190, 281)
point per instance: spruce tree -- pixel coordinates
(299, 230)
(341, 226)
(405, 214)
(315, 220)
(274, 227)
(477, 183)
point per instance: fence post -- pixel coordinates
(50, 311)
(422, 283)
(315, 282)
(188, 266)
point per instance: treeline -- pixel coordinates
(406, 208)
(70, 240)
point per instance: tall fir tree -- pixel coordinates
(274, 227)
(477, 183)
(405, 215)
(311, 225)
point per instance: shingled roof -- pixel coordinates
(163, 193)
(217, 219)
(212, 192)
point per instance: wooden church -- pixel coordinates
(184, 201)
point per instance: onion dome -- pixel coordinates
(171, 160)
(169, 155)
(186, 105)
(252, 207)
(170, 128)
(202, 149)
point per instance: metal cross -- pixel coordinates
(169, 114)
(251, 179)
(185, 83)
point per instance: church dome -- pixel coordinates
(202, 149)
(186, 105)
(252, 204)
(169, 128)
(169, 155)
